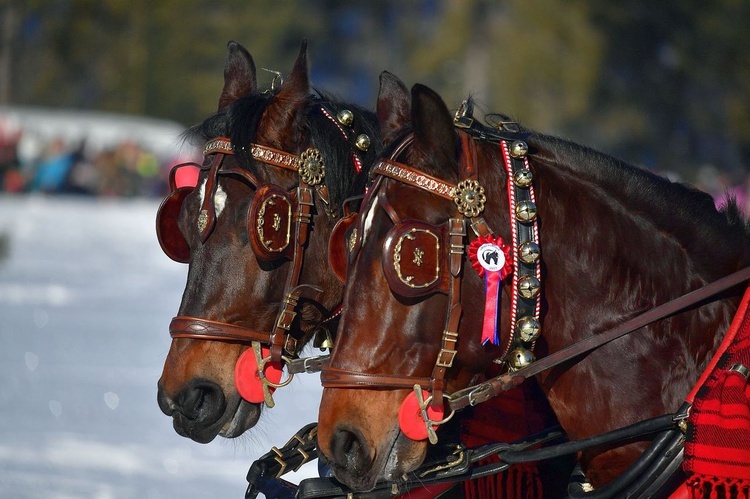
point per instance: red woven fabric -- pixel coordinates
(513, 415)
(717, 447)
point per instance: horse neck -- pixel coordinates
(610, 250)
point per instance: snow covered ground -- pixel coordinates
(86, 296)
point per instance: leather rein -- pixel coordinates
(332, 377)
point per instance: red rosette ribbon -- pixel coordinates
(491, 258)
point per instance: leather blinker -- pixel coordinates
(171, 240)
(341, 245)
(270, 223)
(412, 259)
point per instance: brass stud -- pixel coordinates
(528, 328)
(345, 117)
(529, 287)
(518, 149)
(529, 252)
(525, 211)
(363, 142)
(522, 178)
(519, 358)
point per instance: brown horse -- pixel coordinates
(278, 166)
(615, 241)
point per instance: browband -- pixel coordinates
(406, 174)
(266, 154)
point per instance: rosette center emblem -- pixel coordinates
(470, 198)
(311, 167)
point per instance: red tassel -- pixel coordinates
(518, 482)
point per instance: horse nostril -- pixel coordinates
(350, 451)
(165, 403)
(202, 402)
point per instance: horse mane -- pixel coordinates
(240, 121)
(687, 213)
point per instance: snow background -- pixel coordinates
(86, 296)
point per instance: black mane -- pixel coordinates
(240, 121)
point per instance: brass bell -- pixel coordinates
(528, 328)
(518, 149)
(363, 142)
(323, 339)
(529, 287)
(345, 117)
(526, 211)
(522, 177)
(529, 252)
(520, 357)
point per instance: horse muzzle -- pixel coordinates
(198, 410)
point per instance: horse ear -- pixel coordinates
(393, 107)
(239, 75)
(284, 108)
(434, 133)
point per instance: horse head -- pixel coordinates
(254, 230)
(586, 242)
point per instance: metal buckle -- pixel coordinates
(449, 363)
(479, 394)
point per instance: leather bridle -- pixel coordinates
(280, 340)
(525, 301)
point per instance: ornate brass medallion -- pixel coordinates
(470, 198)
(311, 167)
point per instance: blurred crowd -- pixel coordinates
(128, 169)
(56, 166)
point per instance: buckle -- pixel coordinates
(449, 362)
(479, 394)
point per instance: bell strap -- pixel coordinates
(184, 326)
(493, 387)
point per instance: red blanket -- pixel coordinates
(717, 447)
(513, 415)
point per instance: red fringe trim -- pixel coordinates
(518, 482)
(707, 487)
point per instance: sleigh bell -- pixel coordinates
(345, 117)
(323, 339)
(520, 358)
(528, 328)
(519, 148)
(363, 142)
(529, 252)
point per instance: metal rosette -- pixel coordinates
(470, 198)
(311, 167)
(527, 274)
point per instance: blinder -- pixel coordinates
(412, 257)
(182, 181)
(269, 223)
(341, 244)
